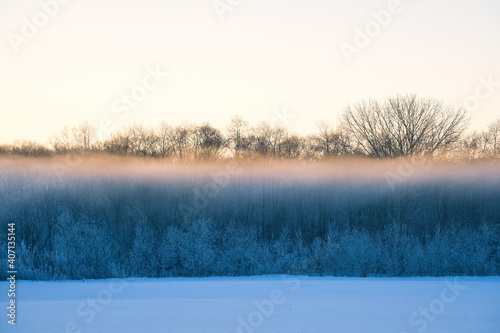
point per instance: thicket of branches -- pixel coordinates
(400, 126)
(203, 222)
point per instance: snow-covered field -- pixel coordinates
(257, 304)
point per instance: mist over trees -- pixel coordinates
(325, 219)
(370, 206)
(401, 126)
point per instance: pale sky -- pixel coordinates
(266, 57)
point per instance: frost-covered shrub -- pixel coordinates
(82, 248)
(238, 251)
(35, 263)
(144, 257)
(402, 253)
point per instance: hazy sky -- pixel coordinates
(257, 58)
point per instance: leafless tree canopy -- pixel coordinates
(80, 138)
(403, 126)
(237, 132)
(329, 142)
(208, 142)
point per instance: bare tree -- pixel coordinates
(62, 142)
(181, 137)
(84, 136)
(165, 135)
(143, 140)
(472, 147)
(237, 131)
(328, 142)
(278, 136)
(261, 139)
(209, 142)
(267, 141)
(292, 147)
(403, 126)
(492, 140)
(119, 143)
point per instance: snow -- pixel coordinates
(257, 304)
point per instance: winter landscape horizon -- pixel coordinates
(249, 166)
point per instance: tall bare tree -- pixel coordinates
(84, 136)
(403, 126)
(492, 140)
(261, 139)
(181, 140)
(165, 135)
(279, 134)
(237, 132)
(62, 141)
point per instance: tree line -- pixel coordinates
(400, 126)
(206, 249)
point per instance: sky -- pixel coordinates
(287, 62)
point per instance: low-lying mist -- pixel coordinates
(342, 217)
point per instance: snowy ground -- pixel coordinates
(257, 304)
